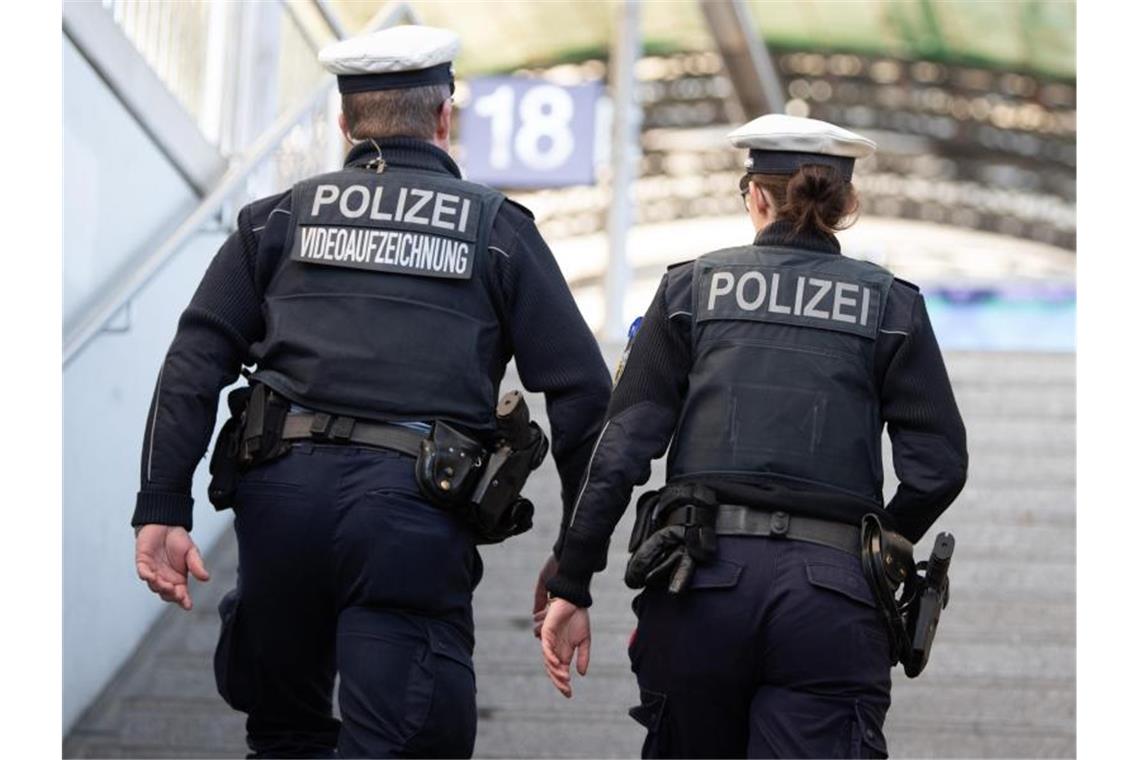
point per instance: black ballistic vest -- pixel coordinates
(382, 307)
(782, 385)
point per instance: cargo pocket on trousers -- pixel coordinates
(867, 739)
(848, 582)
(450, 725)
(853, 585)
(651, 714)
(233, 667)
(718, 574)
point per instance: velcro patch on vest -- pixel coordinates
(789, 296)
(387, 224)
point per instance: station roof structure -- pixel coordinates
(1021, 35)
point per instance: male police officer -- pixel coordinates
(768, 371)
(380, 304)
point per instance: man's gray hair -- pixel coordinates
(410, 112)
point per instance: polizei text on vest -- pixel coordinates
(789, 296)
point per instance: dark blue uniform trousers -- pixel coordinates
(775, 650)
(344, 568)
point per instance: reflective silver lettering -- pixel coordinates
(405, 258)
(370, 252)
(350, 245)
(451, 257)
(390, 249)
(440, 209)
(774, 307)
(325, 195)
(720, 285)
(376, 213)
(761, 291)
(424, 196)
(362, 236)
(400, 204)
(866, 306)
(352, 213)
(341, 240)
(308, 234)
(810, 310)
(463, 215)
(799, 307)
(841, 301)
(382, 243)
(437, 256)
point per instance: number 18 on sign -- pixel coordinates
(523, 132)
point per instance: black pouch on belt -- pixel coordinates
(681, 533)
(224, 468)
(251, 436)
(448, 467)
(262, 427)
(643, 522)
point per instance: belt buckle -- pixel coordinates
(778, 524)
(327, 427)
(341, 431)
(319, 429)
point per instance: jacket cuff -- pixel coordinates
(574, 590)
(157, 507)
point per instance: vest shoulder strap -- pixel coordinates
(908, 284)
(519, 206)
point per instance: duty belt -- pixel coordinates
(738, 520)
(329, 428)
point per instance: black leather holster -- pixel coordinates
(251, 436)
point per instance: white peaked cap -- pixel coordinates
(780, 144)
(398, 57)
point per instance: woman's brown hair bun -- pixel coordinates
(814, 199)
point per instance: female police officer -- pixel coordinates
(772, 368)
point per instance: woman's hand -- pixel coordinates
(541, 603)
(566, 629)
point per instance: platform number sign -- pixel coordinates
(523, 132)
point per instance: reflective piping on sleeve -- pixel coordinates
(496, 249)
(893, 332)
(586, 479)
(680, 314)
(153, 421)
(271, 213)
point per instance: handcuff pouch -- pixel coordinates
(448, 467)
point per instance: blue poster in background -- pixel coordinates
(522, 132)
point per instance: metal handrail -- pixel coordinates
(115, 297)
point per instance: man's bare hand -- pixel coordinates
(538, 613)
(566, 629)
(163, 556)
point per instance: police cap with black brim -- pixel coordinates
(392, 59)
(780, 144)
